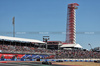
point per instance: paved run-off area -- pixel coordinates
(54, 64)
(80, 63)
(29, 64)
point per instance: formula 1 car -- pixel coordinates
(46, 63)
(59, 61)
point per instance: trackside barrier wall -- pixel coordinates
(65, 60)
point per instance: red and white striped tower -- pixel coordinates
(71, 24)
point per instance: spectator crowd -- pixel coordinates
(58, 53)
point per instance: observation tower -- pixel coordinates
(71, 23)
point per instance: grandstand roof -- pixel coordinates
(71, 45)
(54, 41)
(20, 39)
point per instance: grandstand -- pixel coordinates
(12, 47)
(21, 48)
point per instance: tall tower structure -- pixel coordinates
(71, 23)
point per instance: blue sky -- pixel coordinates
(42, 17)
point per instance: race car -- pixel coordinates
(47, 63)
(59, 61)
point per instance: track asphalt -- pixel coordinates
(27, 64)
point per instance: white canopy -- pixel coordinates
(71, 45)
(20, 39)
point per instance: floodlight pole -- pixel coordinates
(13, 26)
(13, 30)
(90, 46)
